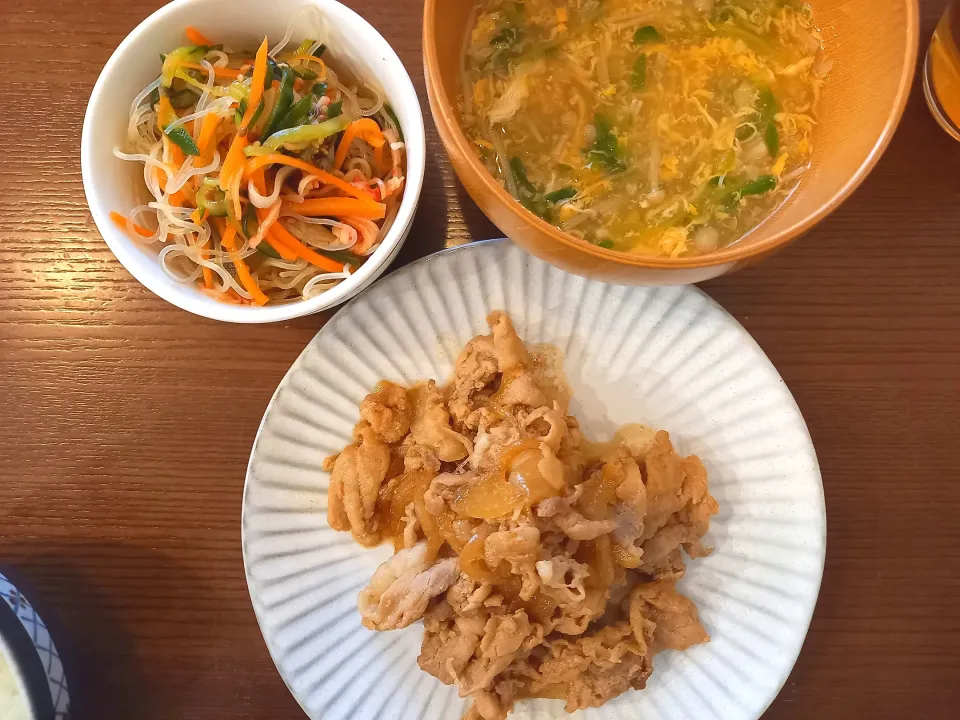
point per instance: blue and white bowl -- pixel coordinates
(32, 682)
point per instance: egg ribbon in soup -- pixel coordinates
(653, 127)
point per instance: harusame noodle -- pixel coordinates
(271, 177)
(653, 127)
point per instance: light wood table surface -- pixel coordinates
(127, 423)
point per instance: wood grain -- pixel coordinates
(127, 423)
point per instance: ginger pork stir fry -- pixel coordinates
(541, 564)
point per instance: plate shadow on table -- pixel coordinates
(96, 626)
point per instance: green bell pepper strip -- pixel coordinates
(307, 133)
(184, 98)
(771, 138)
(305, 74)
(178, 135)
(767, 107)
(249, 226)
(182, 139)
(564, 193)
(760, 186)
(520, 176)
(282, 104)
(297, 115)
(647, 34)
(238, 113)
(393, 116)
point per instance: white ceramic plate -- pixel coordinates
(667, 357)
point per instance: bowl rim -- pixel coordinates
(444, 114)
(18, 651)
(124, 247)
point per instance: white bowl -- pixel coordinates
(113, 184)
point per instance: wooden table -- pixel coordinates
(126, 423)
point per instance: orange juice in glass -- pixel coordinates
(941, 72)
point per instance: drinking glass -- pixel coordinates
(941, 72)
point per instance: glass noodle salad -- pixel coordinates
(272, 177)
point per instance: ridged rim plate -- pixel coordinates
(668, 357)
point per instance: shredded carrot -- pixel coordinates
(227, 232)
(198, 216)
(278, 234)
(165, 112)
(176, 155)
(256, 163)
(204, 141)
(228, 240)
(249, 282)
(232, 73)
(287, 253)
(276, 242)
(365, 129)
(233, 163)
(256, 86)
(339, 207)
(197, 37)
(121, 222)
